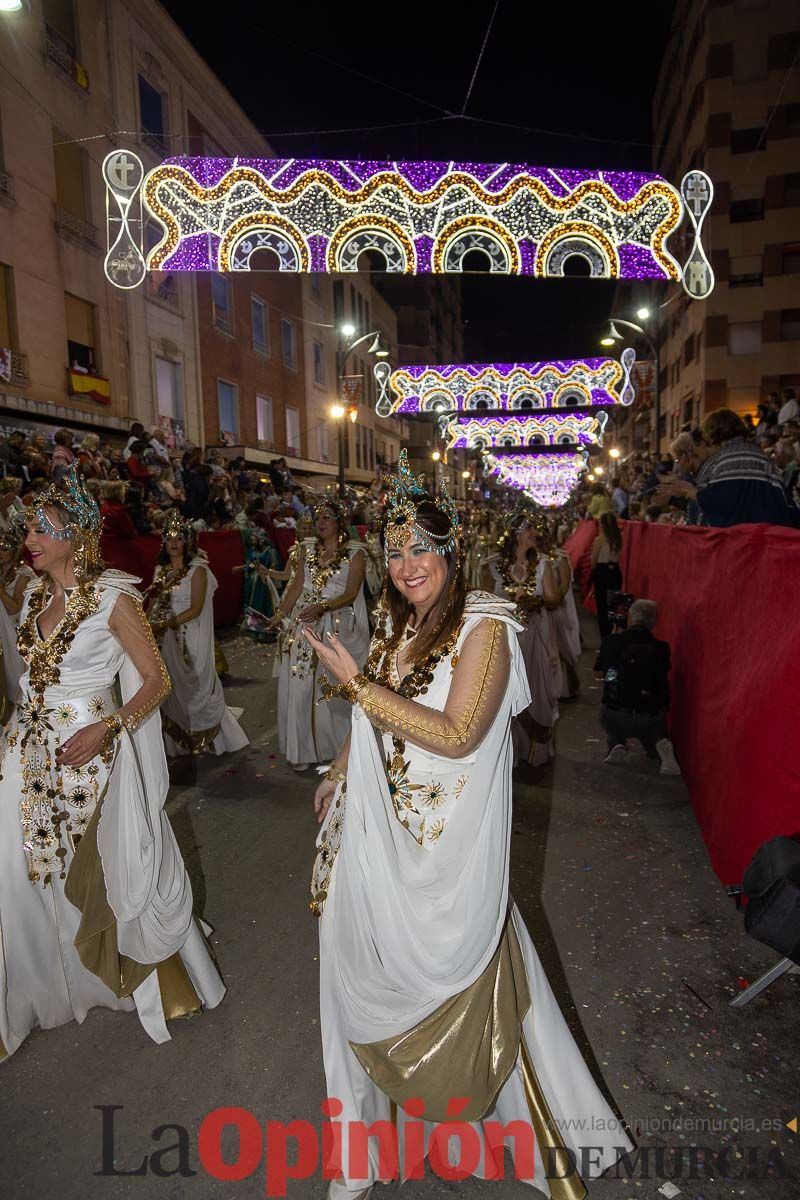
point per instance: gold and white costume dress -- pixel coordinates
(12, 662)
(540, 654)
(309, 731)
(195, 717)
(430, 986)
(95, 903)
(567, 630)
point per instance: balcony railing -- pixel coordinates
(75, 228)
(6, 187)
(164, 288)
(58, 51)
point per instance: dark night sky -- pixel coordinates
(578, 78)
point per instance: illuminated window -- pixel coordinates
(264, 426)
(228, 407)
(293, 429)
(81, 337)
(259, 316)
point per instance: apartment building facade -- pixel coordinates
(208, 358)
(430, 329)
(728, 101)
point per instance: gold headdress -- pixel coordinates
(406, 493)
(175, 526)
(83, 522)
(513, 521)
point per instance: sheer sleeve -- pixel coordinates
(479, 683)
(131, 629)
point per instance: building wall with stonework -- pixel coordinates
(728, 100)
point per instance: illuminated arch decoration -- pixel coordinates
(503, 387)
(511, 431)
(422, 217)
(548, 478)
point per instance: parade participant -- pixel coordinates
(565, 615)
(15, 576)
(195, 717)
(520, 574)
(430, 985)
(326, 591)
(260, 558)
(92, 912)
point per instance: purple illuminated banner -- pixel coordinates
(505, 387)
(508, 430)
(548, 479)
(218, 214)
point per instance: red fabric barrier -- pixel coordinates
(284, 540)
(579, 548)
(728, 607)
(138, 556)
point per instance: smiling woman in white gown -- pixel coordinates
(195, 717)
(430, 986)
(95, 903)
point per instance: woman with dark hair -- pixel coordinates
(430, 985)
(326, 592)
(195, 717)
(606, 572)
(95, 903)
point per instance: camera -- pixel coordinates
(618, 605)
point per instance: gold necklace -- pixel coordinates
(321, 573)
(44, 655)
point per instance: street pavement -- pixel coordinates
(642, 947)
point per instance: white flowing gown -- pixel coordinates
(537, 642)
(311, 729)
(136, 909)
(195, 717)
(416, 907)
(567, 626)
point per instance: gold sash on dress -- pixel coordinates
(468, 1048)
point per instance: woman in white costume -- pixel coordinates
(95, 903)
(326, 591)
(565, 616)
(519, 574)
(431, 988)
(15, 575)
(194, 717)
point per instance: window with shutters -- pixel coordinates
(151, 116)
(259, 319)
(746, 210)
(264, 427)
(72, 193)
(288, 343)
(790, 325)
(746, 271)
(169, 392)
(222, 303)
(8, 322)
(228, 406)
(81, 336)
(319, 363)
(293, 430)
(747, 141)
(744, 337)
(791, 189)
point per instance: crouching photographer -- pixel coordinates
(635, 668)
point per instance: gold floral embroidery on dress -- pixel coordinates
(329, 843)
(436, 830)
(461, 783)
(432, 794)
(438, 730)
(98, 707)
(400, 794)
(52, 816)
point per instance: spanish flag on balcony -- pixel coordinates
(90, 387)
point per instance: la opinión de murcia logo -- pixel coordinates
(455, 1150)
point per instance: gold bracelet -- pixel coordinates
(114, 724)
(353, 688)
(334, 775)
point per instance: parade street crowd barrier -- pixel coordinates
(138, 556)
(728, 607)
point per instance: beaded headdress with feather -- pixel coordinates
(83, 522)
(406, 493)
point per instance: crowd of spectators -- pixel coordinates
(729, 471)
(136, 484)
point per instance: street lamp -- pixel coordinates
(614, 335)
(599, 470)
(643, 314)
(614, 452)
(343, 351)
(436, 456)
